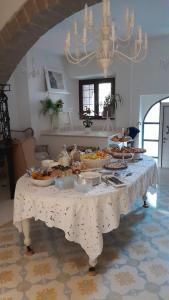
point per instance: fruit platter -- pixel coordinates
(95, 159)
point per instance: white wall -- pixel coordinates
(37, 61)
(132, 82)
(18, 97)
(149, 77)
(7, 10)
(119, 70)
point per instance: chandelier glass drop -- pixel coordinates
(107, 44)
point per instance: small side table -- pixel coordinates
(6, 149)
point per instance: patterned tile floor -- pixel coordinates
(134, 263)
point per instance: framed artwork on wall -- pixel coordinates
(55, 81)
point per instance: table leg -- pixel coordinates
(92, 265)
(145, 205)
(26, 233)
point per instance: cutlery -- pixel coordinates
(106, 181)
(128, 174)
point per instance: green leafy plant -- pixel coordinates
(48, 106)
(110, 104)
(87, 123)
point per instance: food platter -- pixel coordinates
(123, 139)
(128, 150)
(116, 166)
(119, 155)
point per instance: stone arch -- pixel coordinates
(32, 20)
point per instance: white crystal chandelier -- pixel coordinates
(108, 45)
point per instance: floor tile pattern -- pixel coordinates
(134, 263)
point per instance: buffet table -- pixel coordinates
(84, 217)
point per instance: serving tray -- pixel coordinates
(116, 166)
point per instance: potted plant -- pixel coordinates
(110, 105)
(51, 108)
(87, 122)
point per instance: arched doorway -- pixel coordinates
(154, 131)
(28, 24)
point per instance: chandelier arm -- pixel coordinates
(70, 58)
(134, 58)
(87, 62)
(85, 49)
(127, 38)
(131, 59)
(78, 60)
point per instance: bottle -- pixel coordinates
(75, 154)
(64, 158)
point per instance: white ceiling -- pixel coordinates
(152, 15)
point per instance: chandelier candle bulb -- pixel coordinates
(132, 19)
(145, 41)
(90, 18)
(68, 40)
(84, 35)
(75, 27)
(135, 48)
(127, 16)
(108, 8)
(104, 6)
(86, 15)
(140, 34)
(113, 32)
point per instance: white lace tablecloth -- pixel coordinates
(83, 217)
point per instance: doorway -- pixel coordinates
(155, 132)
(164, 136)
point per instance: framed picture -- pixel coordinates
(55, 81)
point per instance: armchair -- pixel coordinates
(25, 151)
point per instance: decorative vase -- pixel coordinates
(109, 112)
(87, 129)
(53, 121)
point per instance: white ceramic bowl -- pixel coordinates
(46, 163)
(96, 163)
(45, 182)
(138, 155)
(92, 178)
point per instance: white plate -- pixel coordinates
(45, 182)
(92, 178)
(46, 163)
